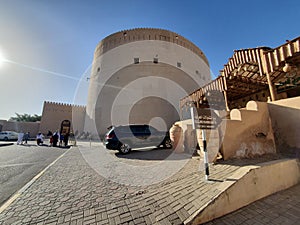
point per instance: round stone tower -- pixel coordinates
(138, 77)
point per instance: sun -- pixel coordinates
(2, 59)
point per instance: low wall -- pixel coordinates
(32, 127)
(188, 141)
(248, 133)
(285, 117)
(247, 185)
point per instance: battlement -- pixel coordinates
(141, 34)
(49, 104)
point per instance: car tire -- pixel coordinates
(167, 143)
(5, 138)
(124, 148)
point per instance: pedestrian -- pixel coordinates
(26, 137)
(66, 139)
(39, 138)
(20, 138)
(50, 135)
(55, 138)
(61, 139)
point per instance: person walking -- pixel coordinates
(26, 137)
(66, 139)
(61, 139)
(55, 138)
(20, 138)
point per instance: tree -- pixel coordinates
(26, 118)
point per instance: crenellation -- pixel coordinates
(140, 34)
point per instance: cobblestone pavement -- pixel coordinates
(280, 208)
(71, 192)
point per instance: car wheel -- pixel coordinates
(5, 138)
(124, 149)
(167, 143)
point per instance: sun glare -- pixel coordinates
(2, 59)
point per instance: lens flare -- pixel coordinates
(2, 59)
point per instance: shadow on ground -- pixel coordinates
(152, 154)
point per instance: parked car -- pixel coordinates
(8, 135)
(123, 138)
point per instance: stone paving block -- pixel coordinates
(104, 215)
(60, 219)
(51, 223)
(160, 216)
(77, 215)
(182, 214)
(103, 222)
(125, 219)
(111, 221)
(139, 220)
(165, 221)
(135, 214)
(39, 223)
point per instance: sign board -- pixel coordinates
(65, 127)
(207, 119)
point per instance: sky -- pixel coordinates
(48, 45)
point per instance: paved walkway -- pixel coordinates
(71, 192)
(280, 208)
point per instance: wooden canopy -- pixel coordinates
(247, 72)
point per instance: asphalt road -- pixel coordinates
(19, 164)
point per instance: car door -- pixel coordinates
(156, 137)
(140, 137)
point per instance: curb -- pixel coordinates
(26, 186)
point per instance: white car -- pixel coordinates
(8, 135)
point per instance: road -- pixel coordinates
(20, 163)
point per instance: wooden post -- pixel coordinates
(271, 88)
(226, 101)
(225, 93)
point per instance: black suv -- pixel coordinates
(123, 138)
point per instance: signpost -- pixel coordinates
(206, 119)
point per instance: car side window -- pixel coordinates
(137, 129)
(152, 130)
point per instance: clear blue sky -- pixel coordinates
(59, 36)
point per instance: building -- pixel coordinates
(138, 77)
(62, 117)
(252, 108)
(65, 118)
(258, 74)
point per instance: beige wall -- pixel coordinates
(260, 128)
(54, 113)
(188, 139)
(285, 117)
(249, 132)
(32, 127)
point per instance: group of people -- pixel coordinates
(58, 139)
(23, 138)
(55, 139)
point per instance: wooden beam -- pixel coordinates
(271, 88)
